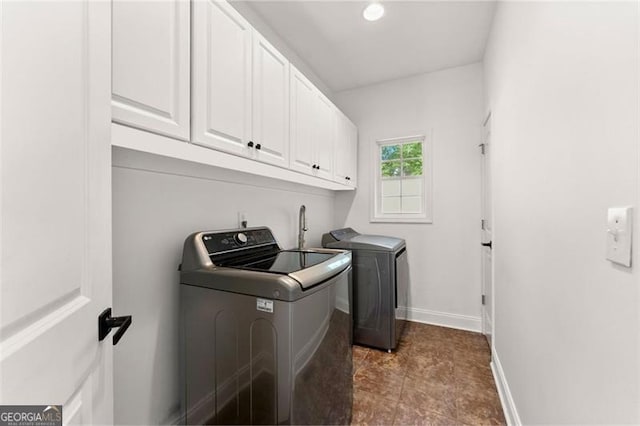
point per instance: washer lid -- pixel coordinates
(271, 284)
(348, 239)
(282, 262)
(249, 261)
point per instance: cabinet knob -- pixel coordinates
(250, 144)
(258, 146)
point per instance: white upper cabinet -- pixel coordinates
(150, 51)
(313, 121)
(221, 77)
(324, 136)
(345, 152)
(303, 100)
(198, 71)
(270, 119)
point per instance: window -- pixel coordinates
(402, 181)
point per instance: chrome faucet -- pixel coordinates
(302, 226)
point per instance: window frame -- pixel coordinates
(427, 180)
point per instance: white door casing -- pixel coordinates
(487, 233)
(221, 77)
(151, 69)
(55, 235)
(270, 130)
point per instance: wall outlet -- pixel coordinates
(242, 220)
(619, 235)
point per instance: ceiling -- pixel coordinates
(413, 37)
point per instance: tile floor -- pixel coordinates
(437, 376)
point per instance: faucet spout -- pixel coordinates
(302, 225)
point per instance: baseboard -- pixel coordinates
(444, 319)
(508, 405)
(174, 418)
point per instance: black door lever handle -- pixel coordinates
(486, 244)
(106, 322)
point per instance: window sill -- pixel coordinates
(400, 220)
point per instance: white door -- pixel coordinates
(487, 235)
(55, 235)
(303, 99)
(151, 44)
(221, 77)
(270, 103)
(324, 137)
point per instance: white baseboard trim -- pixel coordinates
(174, 418)
(461, 322)
(508, 405)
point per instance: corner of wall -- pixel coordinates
(508, 404)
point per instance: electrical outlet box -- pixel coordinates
(619, 235)
(242, 219)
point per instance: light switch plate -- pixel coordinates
(619, 235)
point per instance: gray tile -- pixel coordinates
(438, 376)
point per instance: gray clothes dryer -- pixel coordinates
(380, 285)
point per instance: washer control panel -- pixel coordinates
(217, 242)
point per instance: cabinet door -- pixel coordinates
(221, 77)
(150, 82)
(303, 99)
(345, 153)
(342, 149)
(270, 128)
(352, 165)
(324, 137)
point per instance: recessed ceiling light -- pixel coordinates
(373, 12)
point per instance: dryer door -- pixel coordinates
(373, 295)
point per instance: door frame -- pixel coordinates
(487, 204)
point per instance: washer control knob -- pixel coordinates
(241, 238)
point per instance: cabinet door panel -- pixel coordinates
(342, 149)
(324, 134)
(150, 82)
(270, 103)
(352, 165)
(345, 151)
(222, 77)
(303, 99)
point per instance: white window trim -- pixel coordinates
(427, 164)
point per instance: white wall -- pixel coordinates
(562, 86)
(153, 212)
(444, 256)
